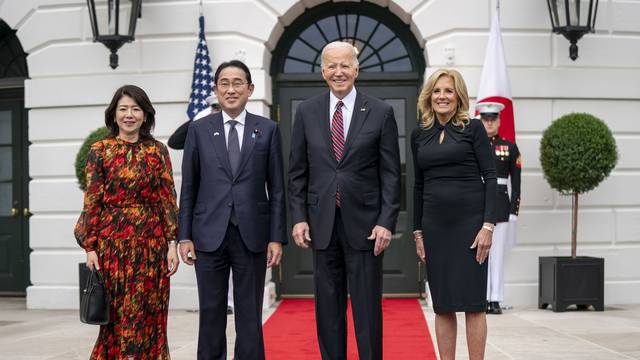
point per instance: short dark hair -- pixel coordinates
(233, 63)
(140, 97)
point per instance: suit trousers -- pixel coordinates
(337, 268)
(212, 273)
(500, 244)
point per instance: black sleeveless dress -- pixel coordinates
(454, 194)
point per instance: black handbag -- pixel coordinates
(94, 299)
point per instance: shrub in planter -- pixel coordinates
(83, 154)
(577, 152)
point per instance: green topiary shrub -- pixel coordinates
(577, 152)
(83, 154)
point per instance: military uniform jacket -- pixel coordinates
(508, 164)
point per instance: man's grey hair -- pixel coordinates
(340, 45)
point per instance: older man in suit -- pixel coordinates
(232, 213)
(344, 189)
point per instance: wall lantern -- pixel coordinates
(107, 25)
(573, 18)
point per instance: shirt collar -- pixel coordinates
(349, 101)
(240, 119)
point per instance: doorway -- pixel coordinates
(391, 64)
(14, 177)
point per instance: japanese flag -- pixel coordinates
(494, 80)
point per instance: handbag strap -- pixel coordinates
(90, 279)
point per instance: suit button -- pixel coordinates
(229, 204)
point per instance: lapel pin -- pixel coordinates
(256, 132)
(363, 109)
(216, 134)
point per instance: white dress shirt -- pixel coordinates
(239, 126)
(349, 102)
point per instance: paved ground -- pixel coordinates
(518, 334)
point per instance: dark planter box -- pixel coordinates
(565, 281)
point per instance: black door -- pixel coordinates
(14, 210)
(401, 268)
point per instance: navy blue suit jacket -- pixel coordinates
(209, 190)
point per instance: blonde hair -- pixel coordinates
(461, 117)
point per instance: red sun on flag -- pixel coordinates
(494, 81)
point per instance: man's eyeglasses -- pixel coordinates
(225, 85)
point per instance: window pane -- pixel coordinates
(394, 49)
(371, 61)
(342, 26)
(365, 53)
(398, 65)
(351, 26)
(6, 163)
(302, 51)
(312, 36)
(328, 26)
(365, 27)
(5, 199)
(382, 35)
(5, 127)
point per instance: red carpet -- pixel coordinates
(290, 333)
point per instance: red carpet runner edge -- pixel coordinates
(290, 333)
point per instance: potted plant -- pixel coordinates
(83, 154)
(577, 152)
(80, 165)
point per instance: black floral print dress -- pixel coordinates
(129, 215)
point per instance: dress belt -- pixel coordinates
(131, 206)
(502, 181)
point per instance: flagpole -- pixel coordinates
(201, 8)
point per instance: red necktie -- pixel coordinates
(337, 137)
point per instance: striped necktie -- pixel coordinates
(337, 137)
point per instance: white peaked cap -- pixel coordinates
(489, 107)
(211, 100)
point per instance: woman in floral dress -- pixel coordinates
(128, 229)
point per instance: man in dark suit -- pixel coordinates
(232, 213)
(344, 189)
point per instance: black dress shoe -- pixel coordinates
(229, 310)
(494, 308)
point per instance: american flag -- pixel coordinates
(202, 76)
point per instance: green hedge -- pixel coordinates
(577, 152)
(83, 154)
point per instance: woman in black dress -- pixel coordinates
(454, 206)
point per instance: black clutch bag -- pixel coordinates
(94, 300)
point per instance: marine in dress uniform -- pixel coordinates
(508, 169)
